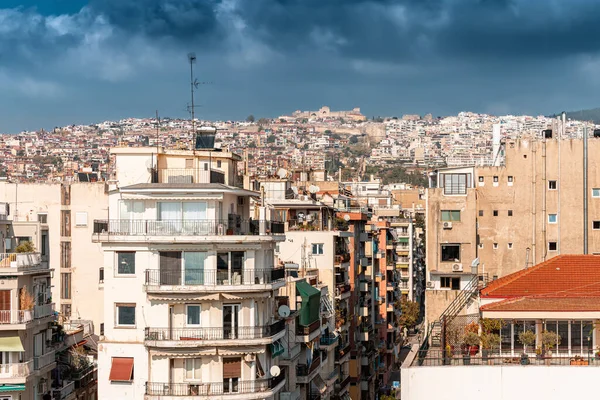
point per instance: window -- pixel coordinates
(450, 252)
(65, 223)
(65, 254)
(193, 369)
(189, 163)
(596, 192)
(552, 218)
(101, 275)
(480, 245)
(121, 369)
(495, 245)
(510, 214)
(495, 179)
(126, 263)
(65, 310)
(193, 315)
(317, 248)
(481, 179)
(455, 183)
(126, 315)
(495, 213)
(448, 282)
(481, 213)
(102, 328)
(510, 179)
(510, 245)
(81, 218)
(206, 166)
(450, 215)
(552, 185)
(43, 218)
(596, 225)
(219, 163)
(65, 285)
(552, 246)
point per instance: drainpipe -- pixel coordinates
(585, 190)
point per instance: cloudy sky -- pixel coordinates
(76, 61)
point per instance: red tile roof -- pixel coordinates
(561, 276)
(564, 283)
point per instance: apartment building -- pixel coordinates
(27, 315)
(67, 212)
(486, 222)
(189, 280)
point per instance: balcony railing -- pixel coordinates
(21, 261)
(64, 391)
(216, 333)
(44, 360)
(307, 330)
(42, 311)
(15, 317)
(305, 370)
(228, 386)
(20, 370)
(341, 351)
(343, 383)
(196, 277)
(328, 340)
(341, 289)
(189, 175)
(186, 227)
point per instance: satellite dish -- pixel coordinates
(346, 217)
(282, 173)
(313, 189)
(275, 370)
(283, 311)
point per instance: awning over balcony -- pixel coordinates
(12, 388)
(179, 196)
(311, 303)
(186, 353)
(184, 297)
(11, 343)
(241, 351)
(277, 348)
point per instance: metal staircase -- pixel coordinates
(463, 299)
(327, 310)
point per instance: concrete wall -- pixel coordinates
(498, 382)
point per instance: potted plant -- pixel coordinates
(470, 344)
(549, 340)
(26, 304)
(538, 353)
(526, 338)
(489, 342)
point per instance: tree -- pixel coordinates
(251, 145)
(271, 139)
(250, 118)
(410, 313)
(353, 139)
(25, 247)
(264, 121)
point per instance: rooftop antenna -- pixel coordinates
(193, 85)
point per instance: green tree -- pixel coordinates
(353, 139)
(25, 247)
(250, 118)
(251, 145)
(271, 139)
(410, 313)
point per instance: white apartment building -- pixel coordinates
(189, 282)
(26, 311)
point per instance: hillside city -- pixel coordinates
(318, 255)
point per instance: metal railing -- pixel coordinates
(44, 310)
(435, 358)
(15, 317)
(18, 370)
(20, 260)
(341, 384)
(186, 227)
(62, 393)
(328, 340)
(189, 175)
(195, 277)
(228, 386)
(342, 351)
(215, 333)
(307, 330)
(305, 370)
(44, 360)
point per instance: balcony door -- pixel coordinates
(5, 312)
(193, 267)
(230, 267)
(5, 363)
(170, 268)
(232, 372)
(231, 313)
(131, 216)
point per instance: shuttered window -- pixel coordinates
(232, 368)
(170, 268)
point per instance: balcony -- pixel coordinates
(182, 229)
(16, 371)
(403, 260)
(219, 336)
(342, 353)
(43, 311)
(341, 259)
(310, 332)
(342, 386)
(188, 175)
(43, 361)
(343, 291)
(11, 263)
(328, 342)
(63, 392)
(305, 373)
(295, 395)
(250, 389)
(206, 280)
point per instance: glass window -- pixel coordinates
(596, 192)
(563, 332)
(552, 246)
(481, 179)
(596, 225)
(193, 368)
(552, 185)
(495, 213)
(495, 179)
(125, 314)
(445, 282)
(125, 263)
(576, 339)
(193, 264)
(169, 211)
(510, 213)
(455, 183)
(317, 248)
(481, 213)
(451, 252)
(552, 218)
(510, 178)
(193, 315)
(506, 339)
(450, 215)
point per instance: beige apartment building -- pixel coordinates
(68, 211)
(493, 221)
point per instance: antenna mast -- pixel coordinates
(192, 60)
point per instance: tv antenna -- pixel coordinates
(194, 83)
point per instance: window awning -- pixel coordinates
(11, 343)
(276, 348)
(121, 369)
(311, 303)
(12, 388)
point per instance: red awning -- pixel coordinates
(121, 369)
(81, 343)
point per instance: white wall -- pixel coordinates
(498, 382)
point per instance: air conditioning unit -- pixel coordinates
(430, 285)
(457, 268)
(447, 225)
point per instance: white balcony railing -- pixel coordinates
(18, 370)
(15, 317)
(20, 260)
(43, 310)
